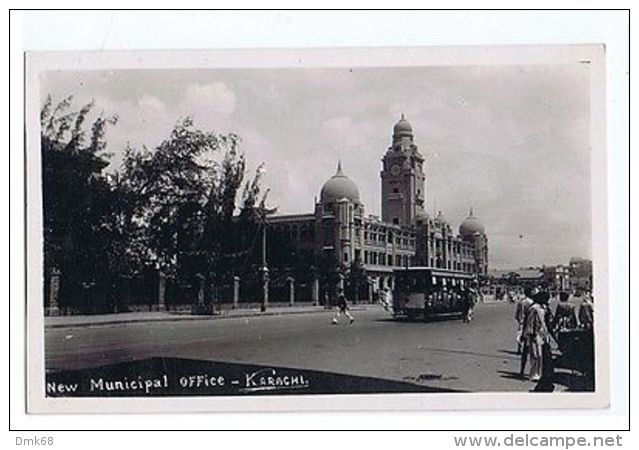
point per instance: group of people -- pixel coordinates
(538, 325)
(468, 296)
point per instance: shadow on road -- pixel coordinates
(509, 352)
(510, 375)
(573, 381)
(450, 318)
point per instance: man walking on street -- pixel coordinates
(342, 308)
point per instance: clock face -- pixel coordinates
(395, 170)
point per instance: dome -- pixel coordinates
(338, 187)
(471, 225)
(422, 217)
(440, 218)
(402, 128)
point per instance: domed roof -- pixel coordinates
(403, 127)
(471, 225)
(440, 218)
(338, 187)
(422, 216)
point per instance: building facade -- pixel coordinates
(339, 232)
(580, 274)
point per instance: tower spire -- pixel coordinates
(339, 167)
(471, 213)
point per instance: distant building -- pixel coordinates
(557, 277)
(340, 234)
(529, 276)
(576, 275)
(580, 274)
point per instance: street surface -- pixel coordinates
(443, 354)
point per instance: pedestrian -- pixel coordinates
(536, 333)
(342, 308)
(586, 312)
(382, 298)
(521, 309)
(547, 371)
(327, 300)
(466, 301)
(472, 299)
(388, 299)
(565, 315)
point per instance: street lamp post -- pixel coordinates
(264, 268)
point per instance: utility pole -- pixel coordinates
(264, 268)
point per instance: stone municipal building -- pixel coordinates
(406, 235)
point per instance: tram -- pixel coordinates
(420, 292)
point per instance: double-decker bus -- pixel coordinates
(421, 292)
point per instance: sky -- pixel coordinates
(513, 142)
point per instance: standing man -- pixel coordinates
(388, 299)
(565, 314)
(547, 372)
(521, 309)
(466, 299)
(586, 312)
(521, 315)
(342, 308)
(473, 298)
(536, 332)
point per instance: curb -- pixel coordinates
(193, 318)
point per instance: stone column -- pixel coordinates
(215, 295)
(264, 289)
(291, 290)
(315, 291)
(54, 289)
(236, 292)
(370, 291)
(161, 291)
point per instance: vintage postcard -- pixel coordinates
(350, 229)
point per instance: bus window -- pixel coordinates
(402, 282)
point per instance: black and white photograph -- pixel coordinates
(287, 225)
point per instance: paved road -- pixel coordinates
(446, 353)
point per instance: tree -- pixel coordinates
(196, 221)
(179, 208)
(356, 279)
(171, 184)
(77, 199)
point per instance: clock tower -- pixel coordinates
(403, 194)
